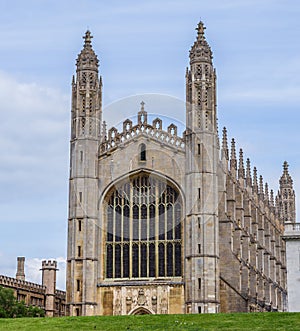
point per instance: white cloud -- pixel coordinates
(34, 132)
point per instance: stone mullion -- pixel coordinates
(140, 230)
(148, 230)
(130, 227)
(173, 238)
(166, 231)
(122, 234)
(156, 228)
(114, 236)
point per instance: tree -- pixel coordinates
(11, 307)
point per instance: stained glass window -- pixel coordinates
(143, 229)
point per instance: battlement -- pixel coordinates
(21, 284)
(50, 264)
(153, 131)
(60, 294)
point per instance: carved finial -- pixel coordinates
(73, 80)
(225, 144)
(87, 39)
(285, 166)
(233, 155)
(142, 106)
(241, 171)
(248, 173)
(255, 184)
(200, 28)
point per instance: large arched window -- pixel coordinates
(143, 229)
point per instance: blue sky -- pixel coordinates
(143, 49)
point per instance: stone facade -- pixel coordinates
(162, 223)
(292, 239)
(45, 296)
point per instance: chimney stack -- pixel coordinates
(20, 275)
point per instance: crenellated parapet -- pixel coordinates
(49, 264)
(153, 131)
(21, 284)
(60, 294)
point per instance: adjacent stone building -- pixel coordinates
(45, 296)
(161, 223)
(292, 239)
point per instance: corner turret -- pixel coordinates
(286, 196)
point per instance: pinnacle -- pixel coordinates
(233, 155)
(286, 178)
(87, 57)
(261, 185)
(87, 39)
(241, 164)
(248, 172)
(266, 191)
(200, 28)
(200, 51)
(272, 197)
(255, 185)
(225, 143)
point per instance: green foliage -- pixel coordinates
(191, 322)
(11, 307)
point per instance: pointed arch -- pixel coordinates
(138, 211)
(141, 311)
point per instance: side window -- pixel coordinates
(142, 152)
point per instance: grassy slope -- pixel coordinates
(203, 322)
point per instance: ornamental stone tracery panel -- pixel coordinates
(143, 229)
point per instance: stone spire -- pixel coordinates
(233, 161)
(255, 184)
(225, 153)
(87, 59)
(272, 198)
(248, 173)
(201, 51)
(286, 196)
(261, 187)
(241, 171)
(267, 197)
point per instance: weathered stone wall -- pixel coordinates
(134, 299)
(252, 250)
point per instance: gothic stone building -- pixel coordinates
(44, 295)
(161, 223)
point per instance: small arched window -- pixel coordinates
(142, 152)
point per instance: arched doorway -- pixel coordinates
(141, 311)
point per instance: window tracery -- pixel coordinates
(143, 229)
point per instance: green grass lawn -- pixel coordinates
(195, 322)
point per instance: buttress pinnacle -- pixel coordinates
(241, 171)
(233, 162)
(225, 144)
